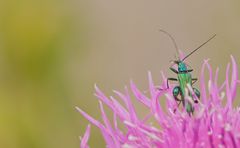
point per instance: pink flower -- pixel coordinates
(215, 123)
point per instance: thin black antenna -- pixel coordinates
(198, 47)
(174, 42)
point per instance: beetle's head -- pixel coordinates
(181, 66)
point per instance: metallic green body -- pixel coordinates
(184, 79)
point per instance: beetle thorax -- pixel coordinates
(182, 67)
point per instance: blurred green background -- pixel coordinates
(52, 52)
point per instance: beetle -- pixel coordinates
(184, 78)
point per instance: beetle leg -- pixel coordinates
(179, 102)
(197, 93)
(174, 70)
(194, 80)
(176, 92)
(168, 79)
(189, 109)
(189, 70)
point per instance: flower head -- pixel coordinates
(214, 123)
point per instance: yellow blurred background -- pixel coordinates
(53, 52)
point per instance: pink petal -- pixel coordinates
(127, 101)
(89, 118)
(228, 90)
(202, 83)
(234, 77)
(85, 138)
(108, 126)
(139, 96)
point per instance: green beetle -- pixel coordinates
(184, 78)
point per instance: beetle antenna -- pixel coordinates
(198, 47)
(173, 40)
